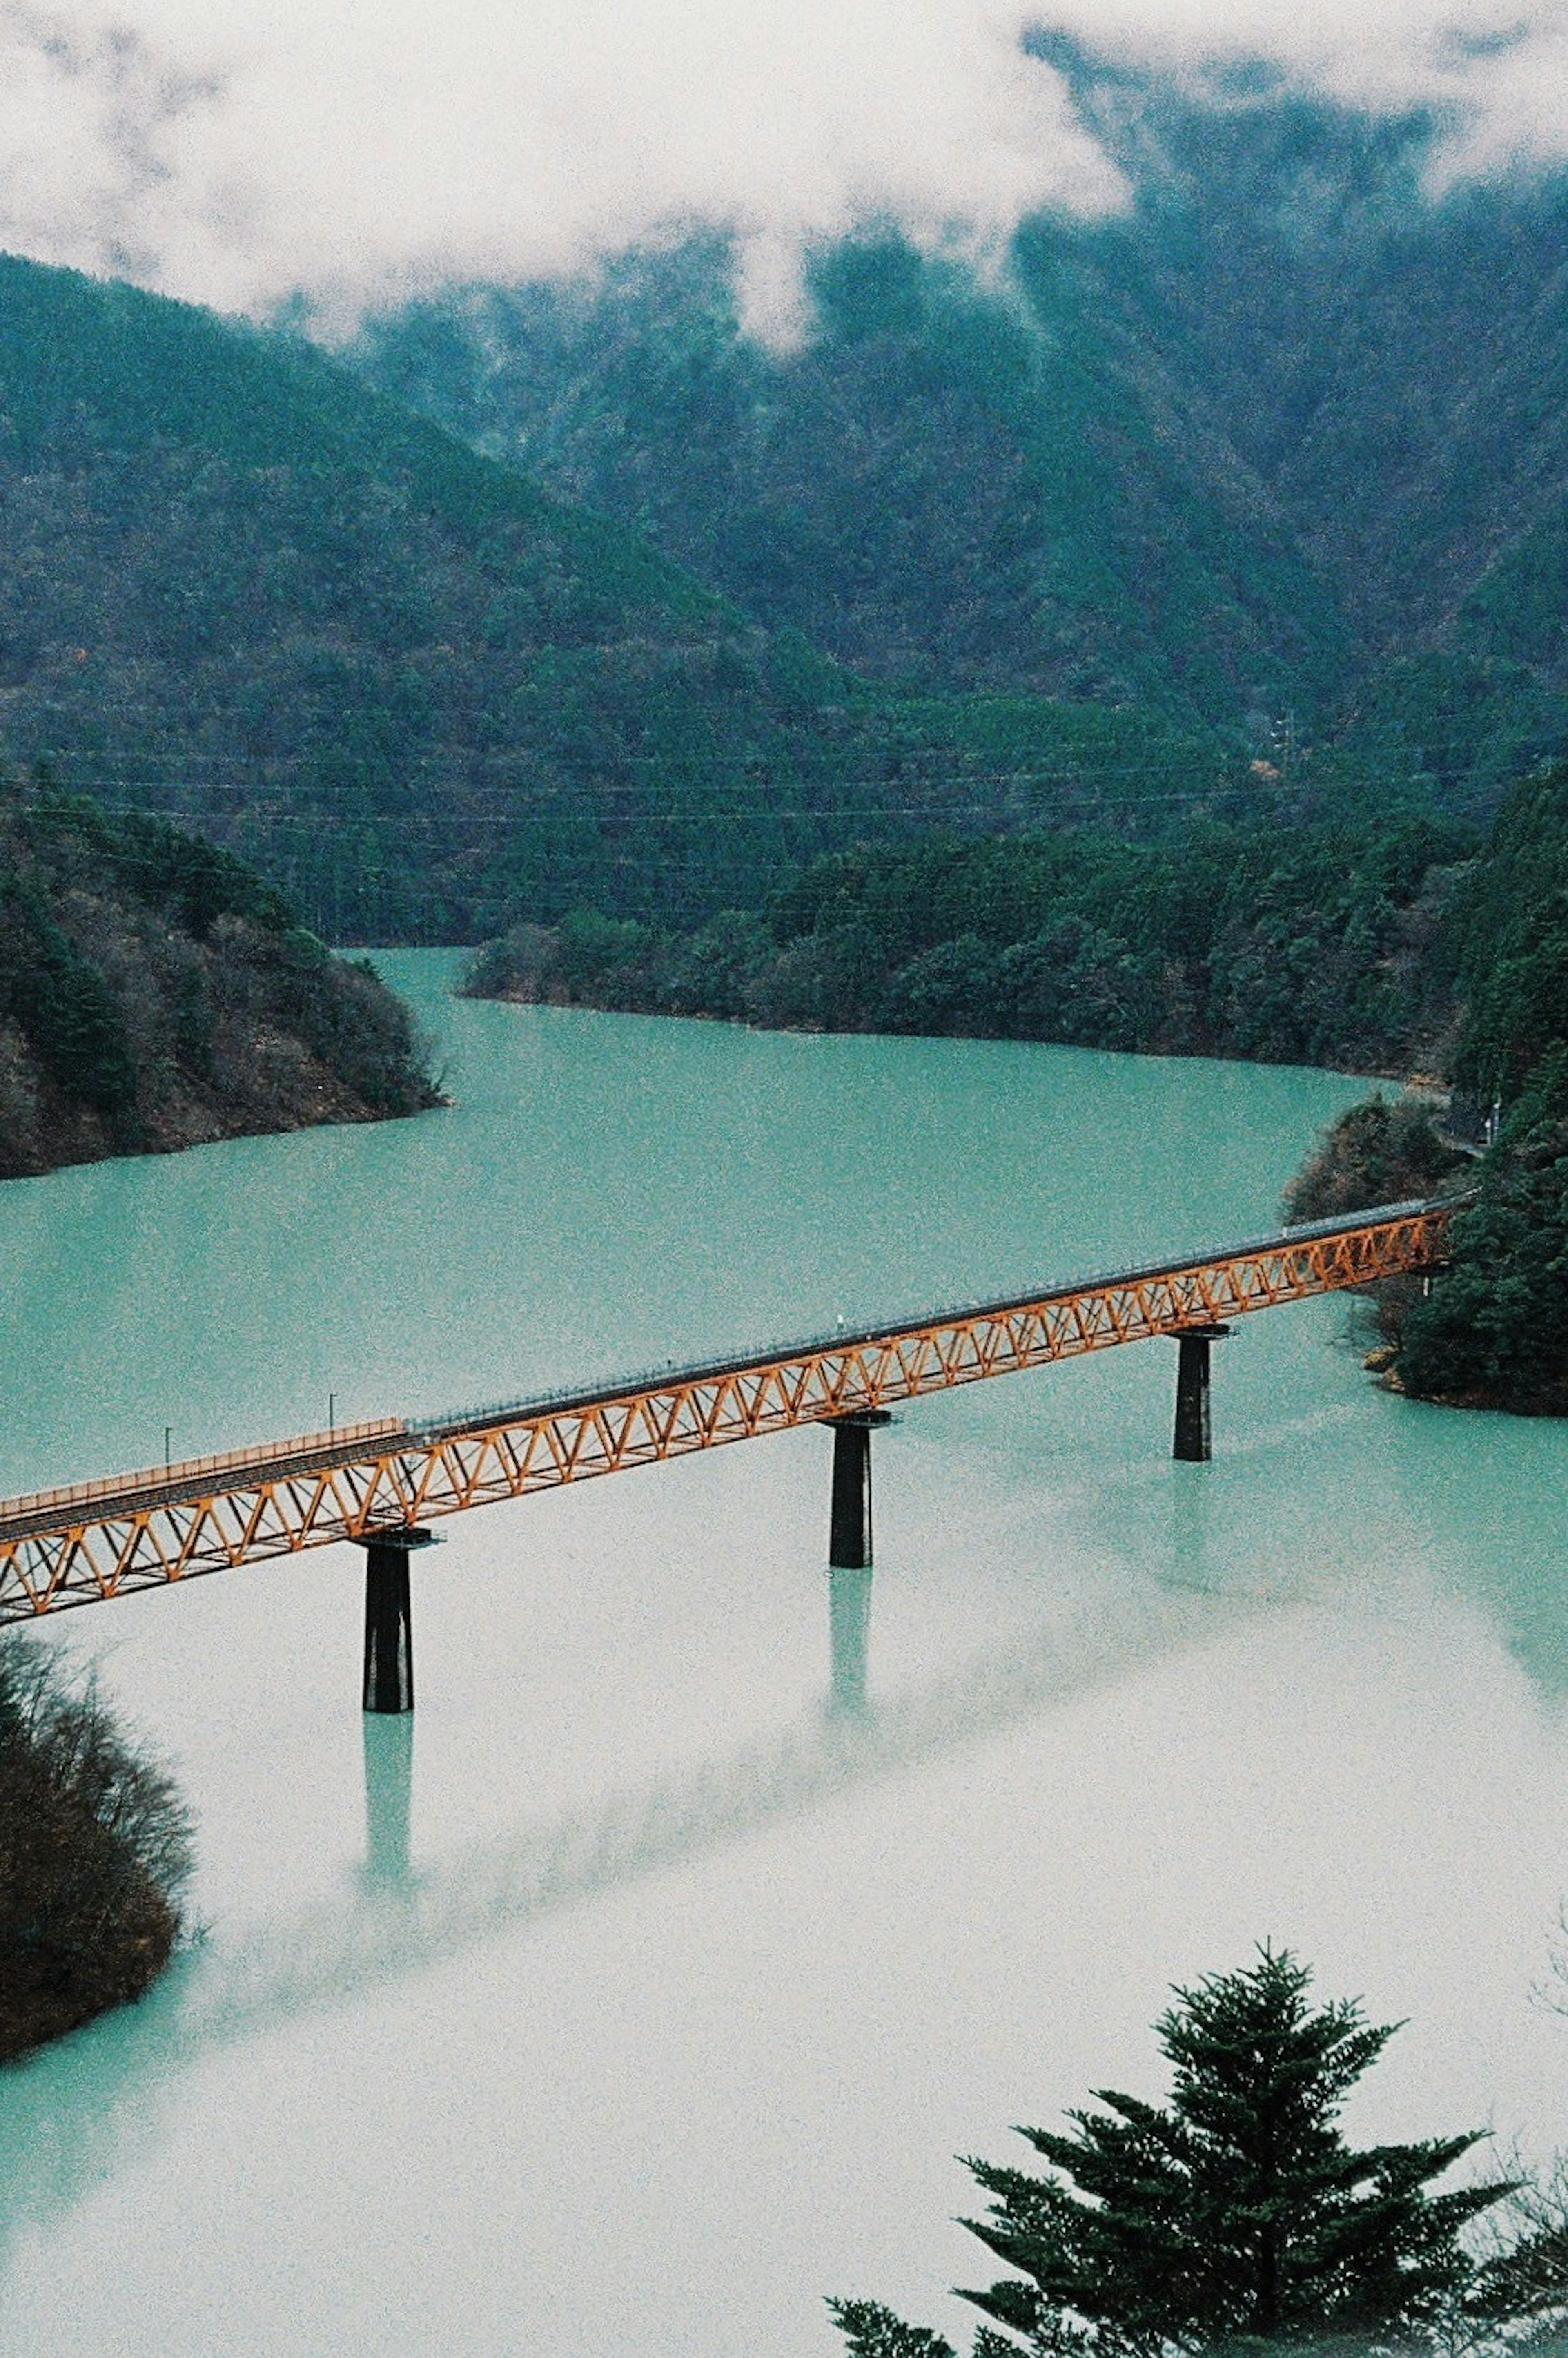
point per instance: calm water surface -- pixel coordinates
(688, 1991)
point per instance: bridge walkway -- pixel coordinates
(382, 1483)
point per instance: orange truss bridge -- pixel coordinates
(380, 1484)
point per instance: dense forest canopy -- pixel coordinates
(1418, 945)
(1327, 946)
(155, 992)
(1285, 438)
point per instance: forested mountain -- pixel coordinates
(1247, 504)
(237, 586)
(933, 488)
(1289, 436)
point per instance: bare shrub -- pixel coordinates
(96, 1853)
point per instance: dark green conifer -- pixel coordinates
(1236, 2217)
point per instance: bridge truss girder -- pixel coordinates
(98, 1541)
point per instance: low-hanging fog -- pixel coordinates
(345, 152)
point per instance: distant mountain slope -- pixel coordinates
(238, 585)
(1394, 367)
(1283, 431)
(939, 489)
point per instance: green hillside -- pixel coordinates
(944, 487)
(1285, 446)
(235, 584)
(239, 588)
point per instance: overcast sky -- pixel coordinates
(355, 147)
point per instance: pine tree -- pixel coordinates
(1236, 2217)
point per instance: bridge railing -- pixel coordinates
(97, 1539)
(163, 1481)
(619, 1383)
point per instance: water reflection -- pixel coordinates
(389, 1795)
(848, 1630)
(84, 2111)
(1191, 1552)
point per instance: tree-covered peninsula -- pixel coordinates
(1412, 946)
(1493, 1330)
(156, 993)
(1318, 946)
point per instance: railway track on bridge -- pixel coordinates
(379, 1483)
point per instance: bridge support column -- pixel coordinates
(389, 1621)
(849, 1525)
(1194, 1443)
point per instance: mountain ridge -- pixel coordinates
(1289, 422)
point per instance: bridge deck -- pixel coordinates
(94, 1540)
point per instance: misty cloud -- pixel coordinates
(351, 151)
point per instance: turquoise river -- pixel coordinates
(686, 1992)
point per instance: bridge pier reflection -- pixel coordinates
(1194, 1441)
(849, 1632)
(389, 1794)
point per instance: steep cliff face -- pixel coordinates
(156, 993)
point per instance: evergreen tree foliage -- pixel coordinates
(155, 991)
(64, 1006)
(1494, 1328)
(1237, 2216)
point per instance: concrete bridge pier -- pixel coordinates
(849, 1559)
(1194, 1443)
(849, 1525)
(389, 1621)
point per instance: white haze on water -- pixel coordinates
(352, 151)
